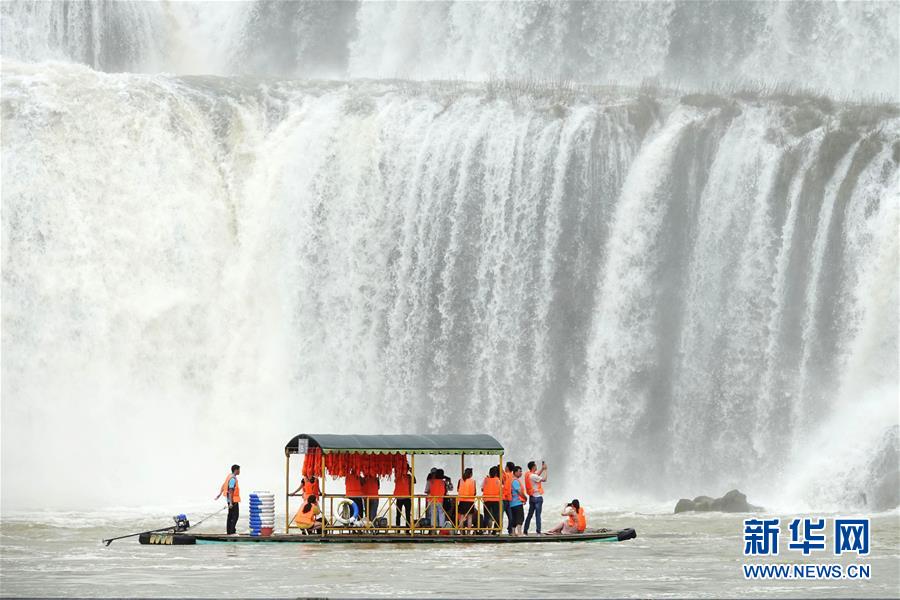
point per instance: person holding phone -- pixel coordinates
(534, 487)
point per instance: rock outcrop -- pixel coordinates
(733, 501)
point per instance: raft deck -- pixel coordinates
(182, 539)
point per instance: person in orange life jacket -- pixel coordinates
(436, 489)
(534, 487)
(491, 491)
(308, 517)
(507, 494)
(575, 521)
(232, 493)
(308, 487)
(465, 489)
(448, 503)
(517, 502)
(354, 491)
(370, 485)
(402, 488)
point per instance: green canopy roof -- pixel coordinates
(478, 443)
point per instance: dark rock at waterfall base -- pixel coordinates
(733, 501)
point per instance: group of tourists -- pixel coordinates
(509, 491)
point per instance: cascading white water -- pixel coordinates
(839, 48)
(678, 292)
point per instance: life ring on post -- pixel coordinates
(347, 513)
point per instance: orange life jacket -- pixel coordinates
(466, 489)
(354, 486)
(437, 490)
(236, 495)
(370, 486)
(401, 485)
(306, 518)
(490, 489)
(578, 519)
(507, 486)
(522, 495)
(310, 489)
(530, 487)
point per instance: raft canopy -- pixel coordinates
(478, 443)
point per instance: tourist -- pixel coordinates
(517, 502)
(436, 489)
(370, 486)
(534, 487)
(465, 489)
(232, 493)
(575, 521)
(354, 491)
(307, 518)
(490, 493)
(308, 486)
(449, 504)
(507, 495)
(402, 488)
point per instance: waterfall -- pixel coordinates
(844, 49)
(665, 293)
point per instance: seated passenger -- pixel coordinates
(308, 517)
(575, 521)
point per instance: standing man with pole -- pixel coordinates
(232, 493)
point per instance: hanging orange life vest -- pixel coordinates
(578, 519)
(236, 495)
(437, 490)
(466, 490)
(507, 486)
(490, 489)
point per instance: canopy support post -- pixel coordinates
(502, 512)
(287, 491)
(322, 492)
(411, 515)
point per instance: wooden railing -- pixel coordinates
(426, 517)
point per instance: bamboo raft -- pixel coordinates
(384, 455)
(185, 539)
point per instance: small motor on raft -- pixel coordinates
(181, 522)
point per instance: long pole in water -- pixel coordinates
(122, 537)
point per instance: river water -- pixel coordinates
(697, 555)
(227, 223)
